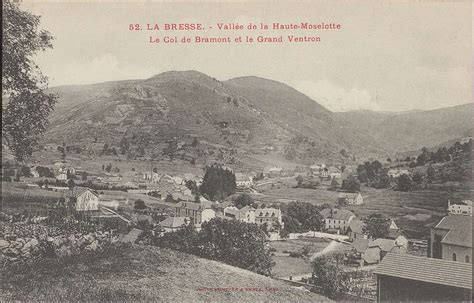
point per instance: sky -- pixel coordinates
(387, 56)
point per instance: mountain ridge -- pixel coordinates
(239, 115)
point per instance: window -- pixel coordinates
(466, 258)
(454, 256)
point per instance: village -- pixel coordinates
(162, 203)
(218, 161)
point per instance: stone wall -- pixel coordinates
(27, 241)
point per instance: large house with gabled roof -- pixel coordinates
(82, 199)
(451, 239)
(197, 212)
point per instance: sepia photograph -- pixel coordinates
(236, 151)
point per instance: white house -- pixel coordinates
(245, 214)
(395, 173)
(243, 181)
(83, 199)
(268, 215)
(461, 209)
(334, 172)
(197, 212)
(351, 198)
(61, 177)
(337, 219)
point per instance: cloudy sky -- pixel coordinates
(389, 56)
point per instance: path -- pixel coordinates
(334, 245)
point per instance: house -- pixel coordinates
(243, 181)
(269, 216)
(61, 177)
(368, 252)
(316, 168)
(337, 219)
(404, 277)
(385, 245)
(172, 224)
(350, 198)
(274, 172)
(34, 173)
(334, 172)
(245, 214)
(324, 173)
(197, 212)
(395, 233)
(355, 230)
(82, 199)
(451, 239)
(395, 172)
(465, 208)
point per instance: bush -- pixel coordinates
(233, 242)
(329, 275)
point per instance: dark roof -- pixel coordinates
(79, 190)
(384, 244)
(460, 230)
(435, 271)
(338, 214)
(360, 245)
(174, 222)
(194, 206)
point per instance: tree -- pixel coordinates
(171, 149)
(301, 217)
(25, 171)
(25, 117)
(404, 183)
(71, 184)
(343, 153)
(417, 178)
(218, 183)
(351, 184)
(236, 243)
(108, 168)
(334, 185)
(376, 226)
(139, 204)
(300, 180)
(430, 174)
(329, 275)
(243, 200)
(44, 172)
(84, 176)
(230, 241)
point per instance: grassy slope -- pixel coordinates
(145, 273)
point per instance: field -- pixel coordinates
(411, 210)
(17, 197)
(140, 273)
(285, 265)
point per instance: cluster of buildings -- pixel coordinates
(366, 251)
(444, 275)
(330, 172)
(198, 213)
